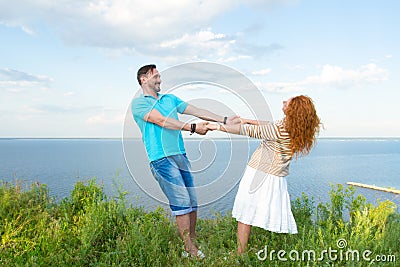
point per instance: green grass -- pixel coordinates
(90, 229)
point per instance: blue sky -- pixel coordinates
(67, 69)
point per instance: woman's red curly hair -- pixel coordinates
(302, 123)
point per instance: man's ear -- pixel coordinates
(143, 79)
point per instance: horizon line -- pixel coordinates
(201, 138)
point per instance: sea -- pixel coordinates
(120, 166)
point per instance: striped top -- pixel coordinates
(273, 155)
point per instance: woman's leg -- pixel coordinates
(243, 237)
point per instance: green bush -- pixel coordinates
(90, 229)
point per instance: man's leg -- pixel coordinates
(177, 184)
(193, 221)
(184, 226)
(243, 237)
(190, 187)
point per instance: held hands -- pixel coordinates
(201, 127)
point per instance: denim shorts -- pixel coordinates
(176, 181)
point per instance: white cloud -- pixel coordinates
(233, 58)
(114, 23)
(332, 76)
(263, 4)
(296, 67)
(201, 45)
(16, 81)
(261, 72)
(15, 75)
(106, 119)
(23, 27)
(337, 75)
(157, 29)
(69, 94)
(199, 38)
(208, 45)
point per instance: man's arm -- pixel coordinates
(154, 116)
(208, 115)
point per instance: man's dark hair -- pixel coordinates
(144, 70)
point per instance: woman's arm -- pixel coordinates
(235, 128)
(267, 131)
(253, 122)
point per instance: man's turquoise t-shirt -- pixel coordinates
(159, 142)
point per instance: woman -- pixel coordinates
(262, 199)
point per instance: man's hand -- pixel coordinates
(201, 127)
(233, 120)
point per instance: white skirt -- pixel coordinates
(262, 200)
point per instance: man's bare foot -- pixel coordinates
(194, 242)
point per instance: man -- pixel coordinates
(157, 117)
